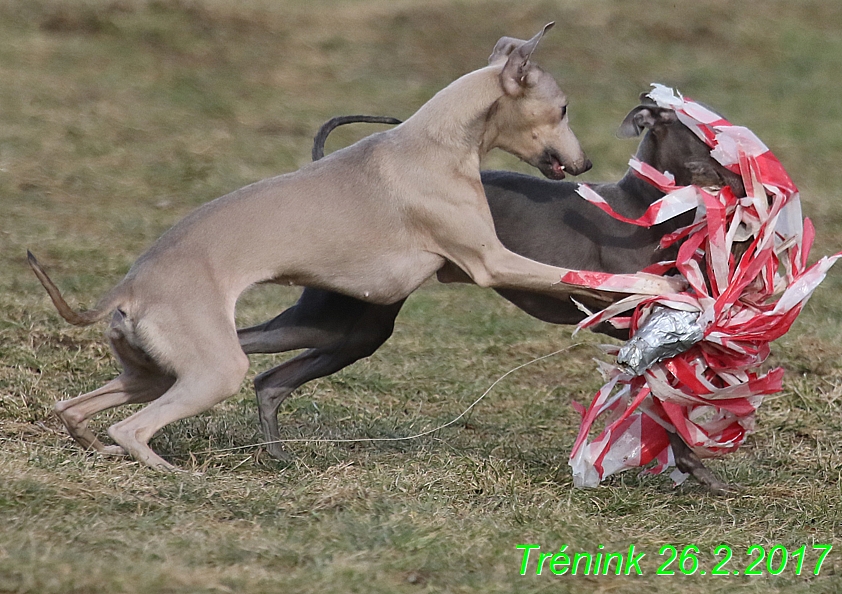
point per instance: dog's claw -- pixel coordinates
(712, 483)
(113, 450)
(278, 452)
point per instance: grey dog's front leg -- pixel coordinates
(687, 461)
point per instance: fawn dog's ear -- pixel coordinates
(504, 48)
(518, 52)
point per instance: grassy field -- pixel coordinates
(117, 117)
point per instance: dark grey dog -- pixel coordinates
(540, 219)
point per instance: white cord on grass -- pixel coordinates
(416, 436)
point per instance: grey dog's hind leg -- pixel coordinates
(275, 385)
(339, 330)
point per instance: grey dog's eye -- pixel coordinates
(563, 112)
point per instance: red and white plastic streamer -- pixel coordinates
(709, 393)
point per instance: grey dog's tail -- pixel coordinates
(77, 318)
(331, 124)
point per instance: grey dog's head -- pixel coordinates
(669, 145)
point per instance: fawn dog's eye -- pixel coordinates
(563, 111)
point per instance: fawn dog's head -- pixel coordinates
(530, 119)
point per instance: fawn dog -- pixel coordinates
(371, 221)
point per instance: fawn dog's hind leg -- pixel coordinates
(141, 381)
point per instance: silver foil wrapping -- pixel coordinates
(665, 333)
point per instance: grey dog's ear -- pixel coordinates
(513, 75)
(645, 117)
(645, 99)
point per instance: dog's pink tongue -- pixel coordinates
(558, 168)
